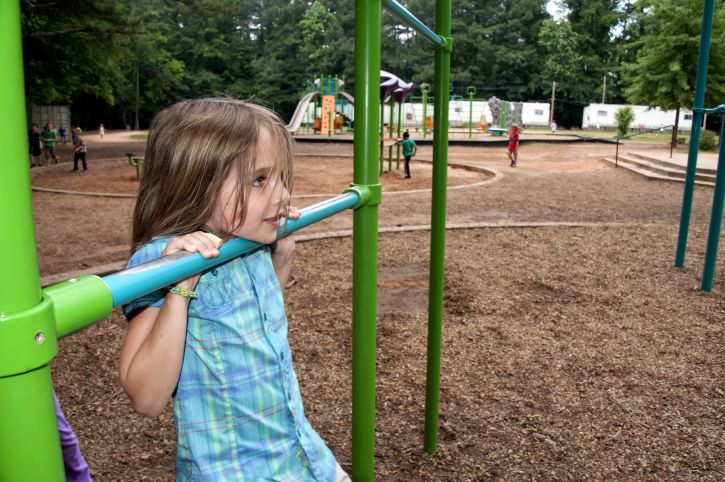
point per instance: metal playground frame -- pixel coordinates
(32, 319)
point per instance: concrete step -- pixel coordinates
(669, 163)
(650, 174)
(665, 169)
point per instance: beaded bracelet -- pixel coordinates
(177, 290)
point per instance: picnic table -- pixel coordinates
(497, 131)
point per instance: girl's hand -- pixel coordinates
(283, 251)
(200, 242)
(293, 212)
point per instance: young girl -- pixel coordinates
(513, 151)
(217, 342)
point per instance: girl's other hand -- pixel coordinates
(200, 242)
(293, 212)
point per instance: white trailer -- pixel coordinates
(601, 116)
(460, 110)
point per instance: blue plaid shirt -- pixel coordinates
(237, 407)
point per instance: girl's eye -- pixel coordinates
(259, 181)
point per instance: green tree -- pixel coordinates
(664, 73)
(623, 117)
(593, 22)
(317, 26)
(560, 61)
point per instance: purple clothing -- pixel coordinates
(76, 468)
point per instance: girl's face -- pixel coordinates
(265, 205)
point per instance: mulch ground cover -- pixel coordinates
(570, 352)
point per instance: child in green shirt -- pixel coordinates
(409, 149)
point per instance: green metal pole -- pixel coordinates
(713, 236)
(29, 441)
(381, 155)
(503, 114)
(401, 104)
(700, 83)
(390, 134)
(364, 239)
(438, 225)
(424, 88)
(471, 93)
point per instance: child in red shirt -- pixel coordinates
(513, 144)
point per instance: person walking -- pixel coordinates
(409, 150)
(35, 145)
(513, 150)
(80, 152)
(49, 140)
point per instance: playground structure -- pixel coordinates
(719, 194)
(329, 100)
(392, 90)
(33, 319)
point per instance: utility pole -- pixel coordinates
(553, 97)
(604, 89)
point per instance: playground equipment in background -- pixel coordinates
(137, 162)
(698, 110)
(392, 90)
(327, 97)
(32, 319)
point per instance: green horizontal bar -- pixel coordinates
(399, 11)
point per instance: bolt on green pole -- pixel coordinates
(29, 441)
(713, 237)
(365, 238)
(700, 83)
(438, 225)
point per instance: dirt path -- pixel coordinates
(569, 353)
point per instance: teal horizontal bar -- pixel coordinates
(132, 283)
(399, 11)
(714, 110)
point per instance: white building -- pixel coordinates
(478, 111)
(602, 116)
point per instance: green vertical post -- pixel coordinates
(29, 441)
(390, 134)
(382, 134)
(364, 239)
(713, 237)
(401, 104)
(700, 83)
(503, 114)
(438, 224)
(424, 88)
(471, 93)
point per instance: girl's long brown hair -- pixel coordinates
(193, 146)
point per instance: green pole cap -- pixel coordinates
(27, 339)
(369, 194)
(79, 302)
(447, 44)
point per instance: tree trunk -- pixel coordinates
(674, 129)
